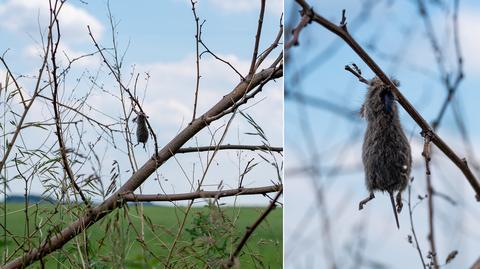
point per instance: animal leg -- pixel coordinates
(366, 200)
(399, 202)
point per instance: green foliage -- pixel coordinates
(211, 234)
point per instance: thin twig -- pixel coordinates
(197, 54)
(53, 55)
(26, 110)
(274, 44)
(296, 31)
(250, 229)
(431, 235)
(412, 227)
(257, 37)
(137, 103)
(207, 50)
(19, 89)
(88, 118)
(451, 87)
(357, 74)
(200, 183)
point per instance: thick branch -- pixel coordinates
(130, 197)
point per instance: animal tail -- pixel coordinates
(394, 211)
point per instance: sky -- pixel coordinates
(317, 137)
(157, 38)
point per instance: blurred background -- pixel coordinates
(417, 43)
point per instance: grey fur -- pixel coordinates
(386, 153)
(142, 130)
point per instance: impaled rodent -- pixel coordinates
(386, 153)
(142, 130)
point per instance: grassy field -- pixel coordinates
(209, 236)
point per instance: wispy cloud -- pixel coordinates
(275, 6)
(172, 86)
(469, 37)
(19, 16)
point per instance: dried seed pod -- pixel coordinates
(142, 130)
(386, 153)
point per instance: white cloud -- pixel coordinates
(274, 6)
(65, 55)
(469, 18)
(469, 37)
(170, 95)
(172, 86)
(20, 16)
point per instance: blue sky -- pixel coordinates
(159, 36)
(396, 30)
(157, 30)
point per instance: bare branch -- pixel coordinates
(412, 227)
(59, 133)
(267, 52)
(197, 54)
(199, 194)
(431, 235)
(257, 37)
(37, 90)
(117, 78)
(357, 74)
(296, 31)
(249, 231)
(227, 147)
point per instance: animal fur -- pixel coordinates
(142, 130)
(386, 153)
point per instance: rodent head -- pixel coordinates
(379, 100)
(140, 118)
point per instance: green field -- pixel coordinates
(209, 236)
